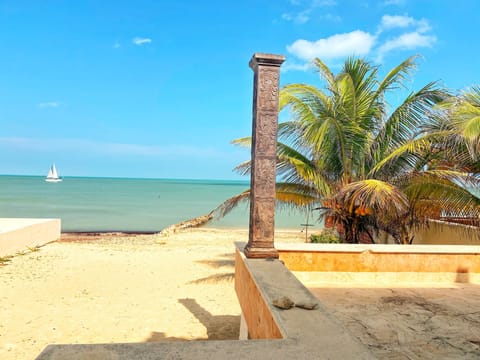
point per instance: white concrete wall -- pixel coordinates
(17, 234)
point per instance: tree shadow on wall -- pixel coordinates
(219, 327)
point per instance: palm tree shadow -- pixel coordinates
(214, 279)
(226, 262)
(219, 327)
(216, 264)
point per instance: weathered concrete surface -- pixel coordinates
(403, 302)
(316, 330)
(18, 233)
(430, 321)
(215, 350)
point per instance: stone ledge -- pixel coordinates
(455, 259)
(380, 248)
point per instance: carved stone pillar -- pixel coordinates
(266, 68)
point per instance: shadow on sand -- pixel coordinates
(219, 327)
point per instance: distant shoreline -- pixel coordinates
(139, 232)
(95, 235)
(107, 232)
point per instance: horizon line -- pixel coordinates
(131, 178)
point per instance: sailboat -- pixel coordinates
(53, 175)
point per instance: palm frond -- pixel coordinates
(440, 191)
(229, 204)
(396, 76)
(384, 199)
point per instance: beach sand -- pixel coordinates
(105, 288)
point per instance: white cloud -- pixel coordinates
(322, 3)
(389, 21)
(406, 41)
(395, 32)
(394, 2)
(314, 3)
(300, 18)
(141, 41)
(304, 16)
(289, 65)
(354, 43)
(50, 104)
(423, 26)
(331, 17)
(403, 21)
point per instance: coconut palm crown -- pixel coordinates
(369, 168)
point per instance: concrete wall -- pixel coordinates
(17, 234)
(383, 258)
(255, 310)
(443, 233)
(383, 263)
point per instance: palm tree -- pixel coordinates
(366, 167)
(462, 133)
(344, 131)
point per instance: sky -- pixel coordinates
(159, 88)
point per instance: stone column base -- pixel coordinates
(260, 252)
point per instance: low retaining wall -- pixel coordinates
(16, 234)
(256, 311)
(383, 263)
(309, 334)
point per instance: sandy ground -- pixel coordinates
(121, 288)
(117, 288)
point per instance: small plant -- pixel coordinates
(327, 236)
(5, 259)
(33, 249)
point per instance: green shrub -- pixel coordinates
(327, 236)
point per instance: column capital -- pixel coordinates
(266, 60)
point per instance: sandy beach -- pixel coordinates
(102, 288)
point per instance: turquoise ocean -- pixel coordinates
(130, 205)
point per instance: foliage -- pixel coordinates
(5, 259)
(368, 167)
(327, 236)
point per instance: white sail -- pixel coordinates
(53, 175)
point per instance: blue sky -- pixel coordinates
(159, 88)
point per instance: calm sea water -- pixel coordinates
(113, 204)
